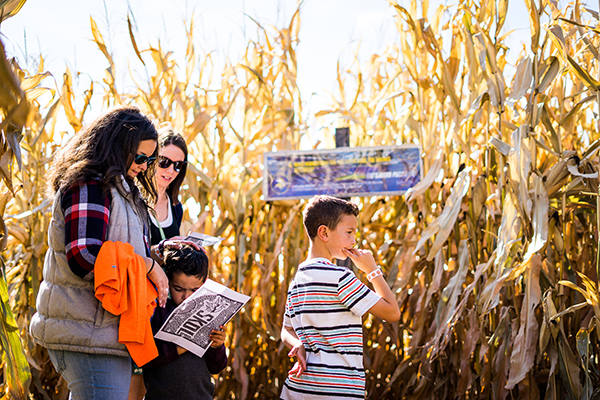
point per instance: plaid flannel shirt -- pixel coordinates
(86, 211)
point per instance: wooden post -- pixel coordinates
(342, 139)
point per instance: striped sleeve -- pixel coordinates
(86, 211)
(355, 295)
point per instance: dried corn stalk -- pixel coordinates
(493, 259)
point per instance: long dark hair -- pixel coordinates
(104, 150)
(168, 137)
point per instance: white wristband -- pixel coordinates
(374, 274)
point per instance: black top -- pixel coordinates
(171, 230)
(180, 377)
(185, 378)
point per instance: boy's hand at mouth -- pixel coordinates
(363, 259)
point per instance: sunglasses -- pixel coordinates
(164, 162)
(143, 159)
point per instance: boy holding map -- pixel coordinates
(177, 373)
(323, 313)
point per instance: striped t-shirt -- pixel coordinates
(324, 305)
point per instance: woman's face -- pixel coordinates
(145, 148)
(164, 176)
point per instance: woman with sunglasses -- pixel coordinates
(101, 181)
(165, 219)
(172, 166)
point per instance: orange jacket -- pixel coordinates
(124, 289)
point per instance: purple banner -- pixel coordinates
(342, 172)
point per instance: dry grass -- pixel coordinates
(493, 256)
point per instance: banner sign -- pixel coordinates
(342, 172)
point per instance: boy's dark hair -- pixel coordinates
(326, 210)
(187, 260)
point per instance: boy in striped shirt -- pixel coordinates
(325, 304)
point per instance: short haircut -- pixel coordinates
(187, 260)
(326, 210)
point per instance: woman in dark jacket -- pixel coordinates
(172, 166)
(165, 220)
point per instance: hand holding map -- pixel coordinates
(209, 307)
(202, 240)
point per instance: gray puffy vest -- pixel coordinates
(69, 317)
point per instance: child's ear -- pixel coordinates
(323, 233)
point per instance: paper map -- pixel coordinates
(209, 307)
(203, 240)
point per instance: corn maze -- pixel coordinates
(493, 256)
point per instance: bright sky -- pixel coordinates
(330, 29)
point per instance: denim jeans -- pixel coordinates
(93, 376)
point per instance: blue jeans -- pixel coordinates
(93, 376)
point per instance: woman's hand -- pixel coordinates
(159, 278)
(177, 241)
(217, 336)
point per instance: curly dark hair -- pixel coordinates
(104, 150)
(326, 210)
(166, 137)
(187, 260)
